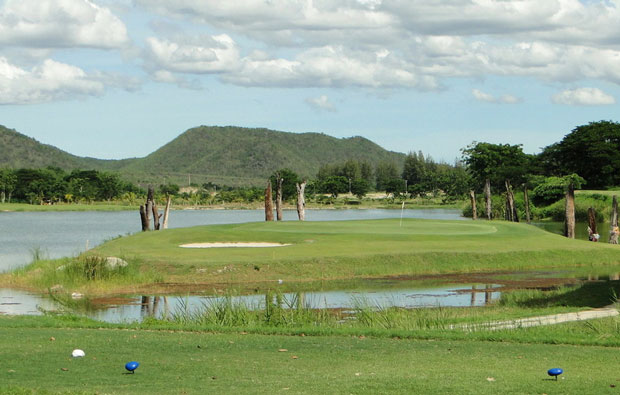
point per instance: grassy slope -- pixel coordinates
(184, 362)
(347, 249)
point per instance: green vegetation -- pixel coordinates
(338, 250)
(224, 155)
(173, 362)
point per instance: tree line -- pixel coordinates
(588, 156)
(52, 185)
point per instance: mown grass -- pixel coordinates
(343, 250)
(32, 359)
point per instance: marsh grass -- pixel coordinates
(86, 273)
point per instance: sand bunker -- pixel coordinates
(232, 245)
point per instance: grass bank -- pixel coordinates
(329, 251)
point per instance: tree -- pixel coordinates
(8, 181)
(360, 187)
(592, 151)
(385, 172)
(334, 185)
(496, 162)
(290, 180)
(395, 186)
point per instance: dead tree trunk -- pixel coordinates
(156, 217)
(279, 197)
(268, 203)
(613, 231)
(301, 201)
(569, 223)
(487, 198)
(511, 209)
(474, 212)
(145, 222)
(149, 206)
(526, 202)
(164, 224)
(592, 231)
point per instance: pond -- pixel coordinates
(470, 290)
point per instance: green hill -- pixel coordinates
(224, 155)
(19, 151)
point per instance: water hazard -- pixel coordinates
(472, 290)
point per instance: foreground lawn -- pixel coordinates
(33, 359)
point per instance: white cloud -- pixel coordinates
(583, 97)
(60, 23)
(212, 55)
(486, 97)
(392, 43)
(48, 81)
(321, 103)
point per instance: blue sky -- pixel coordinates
(120, 78)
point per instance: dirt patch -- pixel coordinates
(233, 245)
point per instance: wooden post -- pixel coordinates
(268, 203)
(526, 202)
(164, 224)
(569, 222)
(279, 197)
(474, 212)
(487, 198)
(613, 231)
(301, 201)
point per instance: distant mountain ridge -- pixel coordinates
(221, 154)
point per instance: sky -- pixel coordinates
(115, 79)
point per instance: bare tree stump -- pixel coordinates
(614, 231)
(301, 201)
(279, 196)
(487, 199)
(592, 232)
(144, 220)
(511, 209)
(164, 224)
(569, 222)
(156, 217)
(268, 203)
(526, 202)
(474, 211)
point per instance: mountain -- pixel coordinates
(19, 151)
(224, 155)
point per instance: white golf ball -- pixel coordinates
(78, 353)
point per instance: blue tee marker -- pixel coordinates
(555, 372)
(131, 366)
